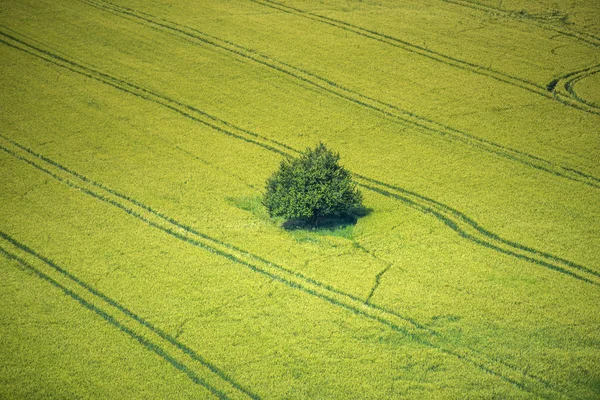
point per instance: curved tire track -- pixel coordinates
(149, 336)
(454, 219)
(470, 230)
(563, 88)
(433, 55)
(335, 89)
(354, 305)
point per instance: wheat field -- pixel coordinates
(136, 258)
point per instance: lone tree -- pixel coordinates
(312, 187)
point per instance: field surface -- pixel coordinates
(136, 259)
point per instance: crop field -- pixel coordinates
(136, 257)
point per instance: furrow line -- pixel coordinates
(392, 320)
(181, 357)
(282, 149)
(335, 89)
(377, 282)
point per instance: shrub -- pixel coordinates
(311, 187)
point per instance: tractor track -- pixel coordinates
(469, 229)
(433, 55)
(252, 138)
(454, 219)
(587, 38)
(335, 89)
(560, 88)
(425, 336)
(563, 87)
(410, 47)
(146, 334)
(183, 109)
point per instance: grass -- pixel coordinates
(302, 231)
(137, 259)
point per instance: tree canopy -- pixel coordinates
(311, 187)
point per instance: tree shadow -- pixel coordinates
(331, 223)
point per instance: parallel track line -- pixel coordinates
(454, 219)
(436, 56)
(398, 323)
(563, 87)
(149, 336)
(581, 36)
(335, 89)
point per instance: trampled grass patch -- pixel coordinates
(139, 262)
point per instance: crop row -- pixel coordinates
(338, 90)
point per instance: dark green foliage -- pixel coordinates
(312, 187)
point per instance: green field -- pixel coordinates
(136, 259)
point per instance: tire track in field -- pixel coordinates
(581, 36)
(469, 229)
(410, 47)
(454, 219)
(114, 82)
(335, 89)
(460, 223)
(187, 111)
(149, 336)
(563, 87)
(419, 333)
(433, 55)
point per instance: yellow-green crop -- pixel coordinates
(136, 260)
